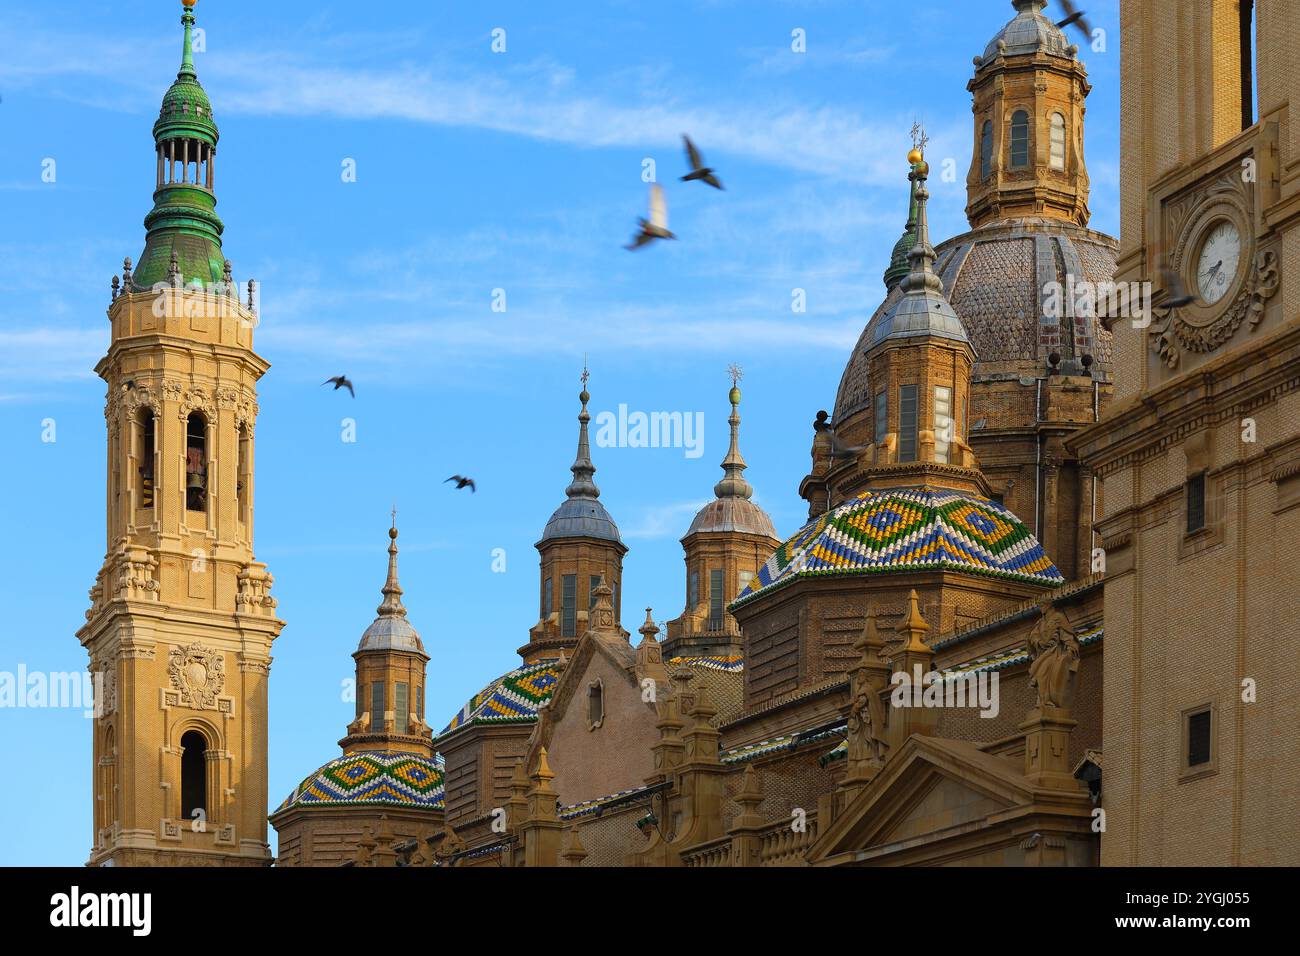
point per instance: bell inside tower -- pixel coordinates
(196, 463)
(147, 443)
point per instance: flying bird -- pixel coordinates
(461, 482)
(341, 381)
(1074, 17)
(840, 450)
(698, 171)
(1178, 296)
(656, 227)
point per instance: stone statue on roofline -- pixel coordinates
(1054, 659)
(866, 726)
(867, 744)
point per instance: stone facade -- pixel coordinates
(1199, 454)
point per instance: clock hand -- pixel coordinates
(1213, 269)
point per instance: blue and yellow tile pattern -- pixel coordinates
(908, 530)
(513, 697)
(373, 777)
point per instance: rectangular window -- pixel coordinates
(1019, 139)
(882, 416)
(1196, 503)
(377, 701)
(146, 460)
(1056, 142)
(419, 701)
(548, 599)
(245, 477)
(942, 423)
(402, 705)
(592, 583)
(1248, 35)
(907, 423)
(986, 149)
(569, 605)
(715, 600)
(693, 599)
(1198, 738)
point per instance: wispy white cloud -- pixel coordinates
(540, 98)
(662, 521)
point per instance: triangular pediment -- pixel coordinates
(930, 785)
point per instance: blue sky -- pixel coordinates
(476, 171)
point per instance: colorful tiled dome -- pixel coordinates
(373, 778)
(511, 698)
(909, 529)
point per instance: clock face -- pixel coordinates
(1216, 266)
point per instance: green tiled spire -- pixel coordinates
(900, 261)
(183, 220)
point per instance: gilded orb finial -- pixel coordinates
(919, 140)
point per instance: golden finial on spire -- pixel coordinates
(736, 375)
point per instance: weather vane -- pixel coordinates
(736, 374)
(919, 139)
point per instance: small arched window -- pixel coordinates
(148, 441)
(194, 774)
(1019, 139)
(986, 150)
(196, 462)
(1058, 141)
(108, 777)
(245, 476)
(595, 703)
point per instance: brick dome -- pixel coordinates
(995, 277)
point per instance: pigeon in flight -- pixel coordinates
(341, 381)
(1178, 296)
(1074, 17)
(698, 171)
(840, 450)
(656, 227)
(461, 482)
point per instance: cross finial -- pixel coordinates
(919, 139)
(394, 514)
(585, 374)
(735, 372)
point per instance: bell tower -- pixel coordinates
(181, 621)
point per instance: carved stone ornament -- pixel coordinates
(1175, 333)
(1054, 658)
(106, 689)
(198, 674)
(136, 575)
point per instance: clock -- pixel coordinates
(1216, 265)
